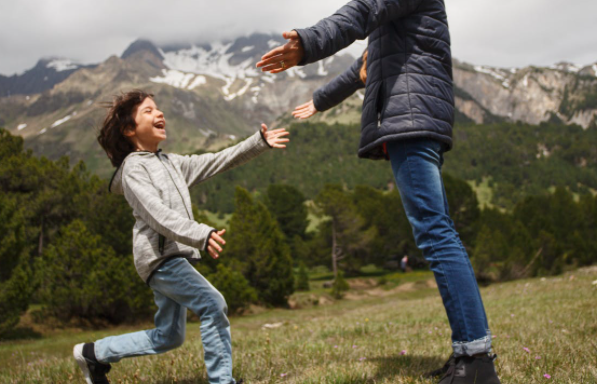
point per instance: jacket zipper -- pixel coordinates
(162, 238)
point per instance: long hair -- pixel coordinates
(119, 118)
(363, 71)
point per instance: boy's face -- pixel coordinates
(151, 126)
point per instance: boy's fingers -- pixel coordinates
(215, 245)
(212, 252)
(216, 237)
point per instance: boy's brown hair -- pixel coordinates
(119, 118)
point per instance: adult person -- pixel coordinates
(407, 117)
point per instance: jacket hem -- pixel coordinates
(365, 152)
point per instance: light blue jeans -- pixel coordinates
(417, 164)
(177, 286)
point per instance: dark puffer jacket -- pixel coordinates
(409, 69)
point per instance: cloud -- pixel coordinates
(501, 33)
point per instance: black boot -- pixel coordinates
(472, 370)
(93, 371)
(441, 371)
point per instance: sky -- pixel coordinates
(500, 33)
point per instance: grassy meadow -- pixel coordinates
(545, 332)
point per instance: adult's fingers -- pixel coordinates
(274, 52)
(290, 59)
(305, 105)
(290, 35)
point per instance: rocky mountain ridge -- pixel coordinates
(213, 94)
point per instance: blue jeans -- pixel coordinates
(417, 164)
(177, 286)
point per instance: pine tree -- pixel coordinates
(340, 286)
(302, 282)
(15, 277)
(287, 204)
(257, 242)
(81, 277)
(349, 239)
(234, 287)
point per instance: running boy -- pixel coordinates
(166, 237)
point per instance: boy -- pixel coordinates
(166, 237)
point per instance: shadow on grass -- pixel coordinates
(411, 366)
(21, 333)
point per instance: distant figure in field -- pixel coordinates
(166, 238)
(407, 118)
(404, 263)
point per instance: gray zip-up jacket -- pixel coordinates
(156, 185)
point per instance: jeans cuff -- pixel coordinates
(470, 348)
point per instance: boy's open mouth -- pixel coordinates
(160, 124)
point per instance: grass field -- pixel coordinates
(389, 334)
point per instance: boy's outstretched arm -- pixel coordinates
(196, 168)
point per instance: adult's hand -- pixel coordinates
(283, 57)
(304, 111)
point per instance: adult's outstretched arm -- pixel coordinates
(340, 88)
(354, 21)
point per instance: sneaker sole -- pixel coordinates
(78, 355)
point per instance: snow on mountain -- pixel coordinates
(566, 67)
(179, 79)
(61, 121)
(231, 62)
(60, 65)
(497, 73)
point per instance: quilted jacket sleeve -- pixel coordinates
(340, 88)
(354, 21)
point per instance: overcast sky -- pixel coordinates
(504, 33)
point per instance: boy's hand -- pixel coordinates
(213, 248)
(274, 138)
(304, 111)
(285, 56)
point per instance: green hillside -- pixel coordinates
(511, 160)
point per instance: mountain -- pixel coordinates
(212, 94)
(43, 76)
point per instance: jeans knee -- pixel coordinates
(165, 343)
(217, 308)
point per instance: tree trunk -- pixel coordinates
(41, 238)
(334, 253)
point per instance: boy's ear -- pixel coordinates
(129, 131)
